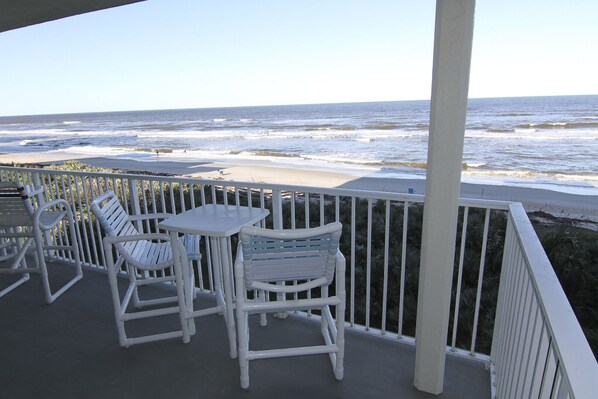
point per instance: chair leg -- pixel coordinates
(187, 326)
(340, 320)
(339, 369)
(41, 264)
(192, 279)
(137, 303)
(75, 247)
(43, 269)
(263, 316)
(243, 349)
(323, 319)
(191, 288)
(119, 308)
(242, 327)
(18, 262)
(24, 278)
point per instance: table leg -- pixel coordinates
(186, 284)
(217, 269)
(228, 296)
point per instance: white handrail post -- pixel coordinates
(37, 183)
(500, 300)
(39, 200)
(135, 206)
(277, 209)
(277, 224)
(450, 82)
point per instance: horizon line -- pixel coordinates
(284, 105)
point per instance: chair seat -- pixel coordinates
(47, 220)
(148, 255)
(51, 218)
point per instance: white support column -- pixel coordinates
(452, 58)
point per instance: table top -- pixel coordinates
(214, 220)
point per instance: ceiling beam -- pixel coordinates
(16, 14)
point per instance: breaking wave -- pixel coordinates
(560, 125)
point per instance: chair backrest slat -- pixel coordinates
(112, 216)
(116, 223)
(119, 222)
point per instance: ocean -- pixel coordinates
(546, 142)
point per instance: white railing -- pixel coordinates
(381, 238)
(539, 349)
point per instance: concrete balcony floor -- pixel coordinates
(69, 349)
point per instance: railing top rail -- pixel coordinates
(568, 338)
(367, 194)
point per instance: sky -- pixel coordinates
(169, 54)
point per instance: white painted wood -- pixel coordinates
(452, 57)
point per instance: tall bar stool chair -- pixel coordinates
(290, 262)
(144, 254)
(25, 228)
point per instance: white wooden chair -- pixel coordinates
(290, 262)
(24, 228)
(145, 255)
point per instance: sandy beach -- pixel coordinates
(584, 207)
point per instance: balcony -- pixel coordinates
(519, 340)
(70, 350)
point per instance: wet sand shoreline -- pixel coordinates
(584, 207)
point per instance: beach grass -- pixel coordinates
(573, 253)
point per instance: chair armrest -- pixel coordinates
(110, 241)
(149, 216)
(239, 257)
(46, 206)
(137, 237)
(238, 264)
(290, 289)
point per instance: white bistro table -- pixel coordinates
(218, 222)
